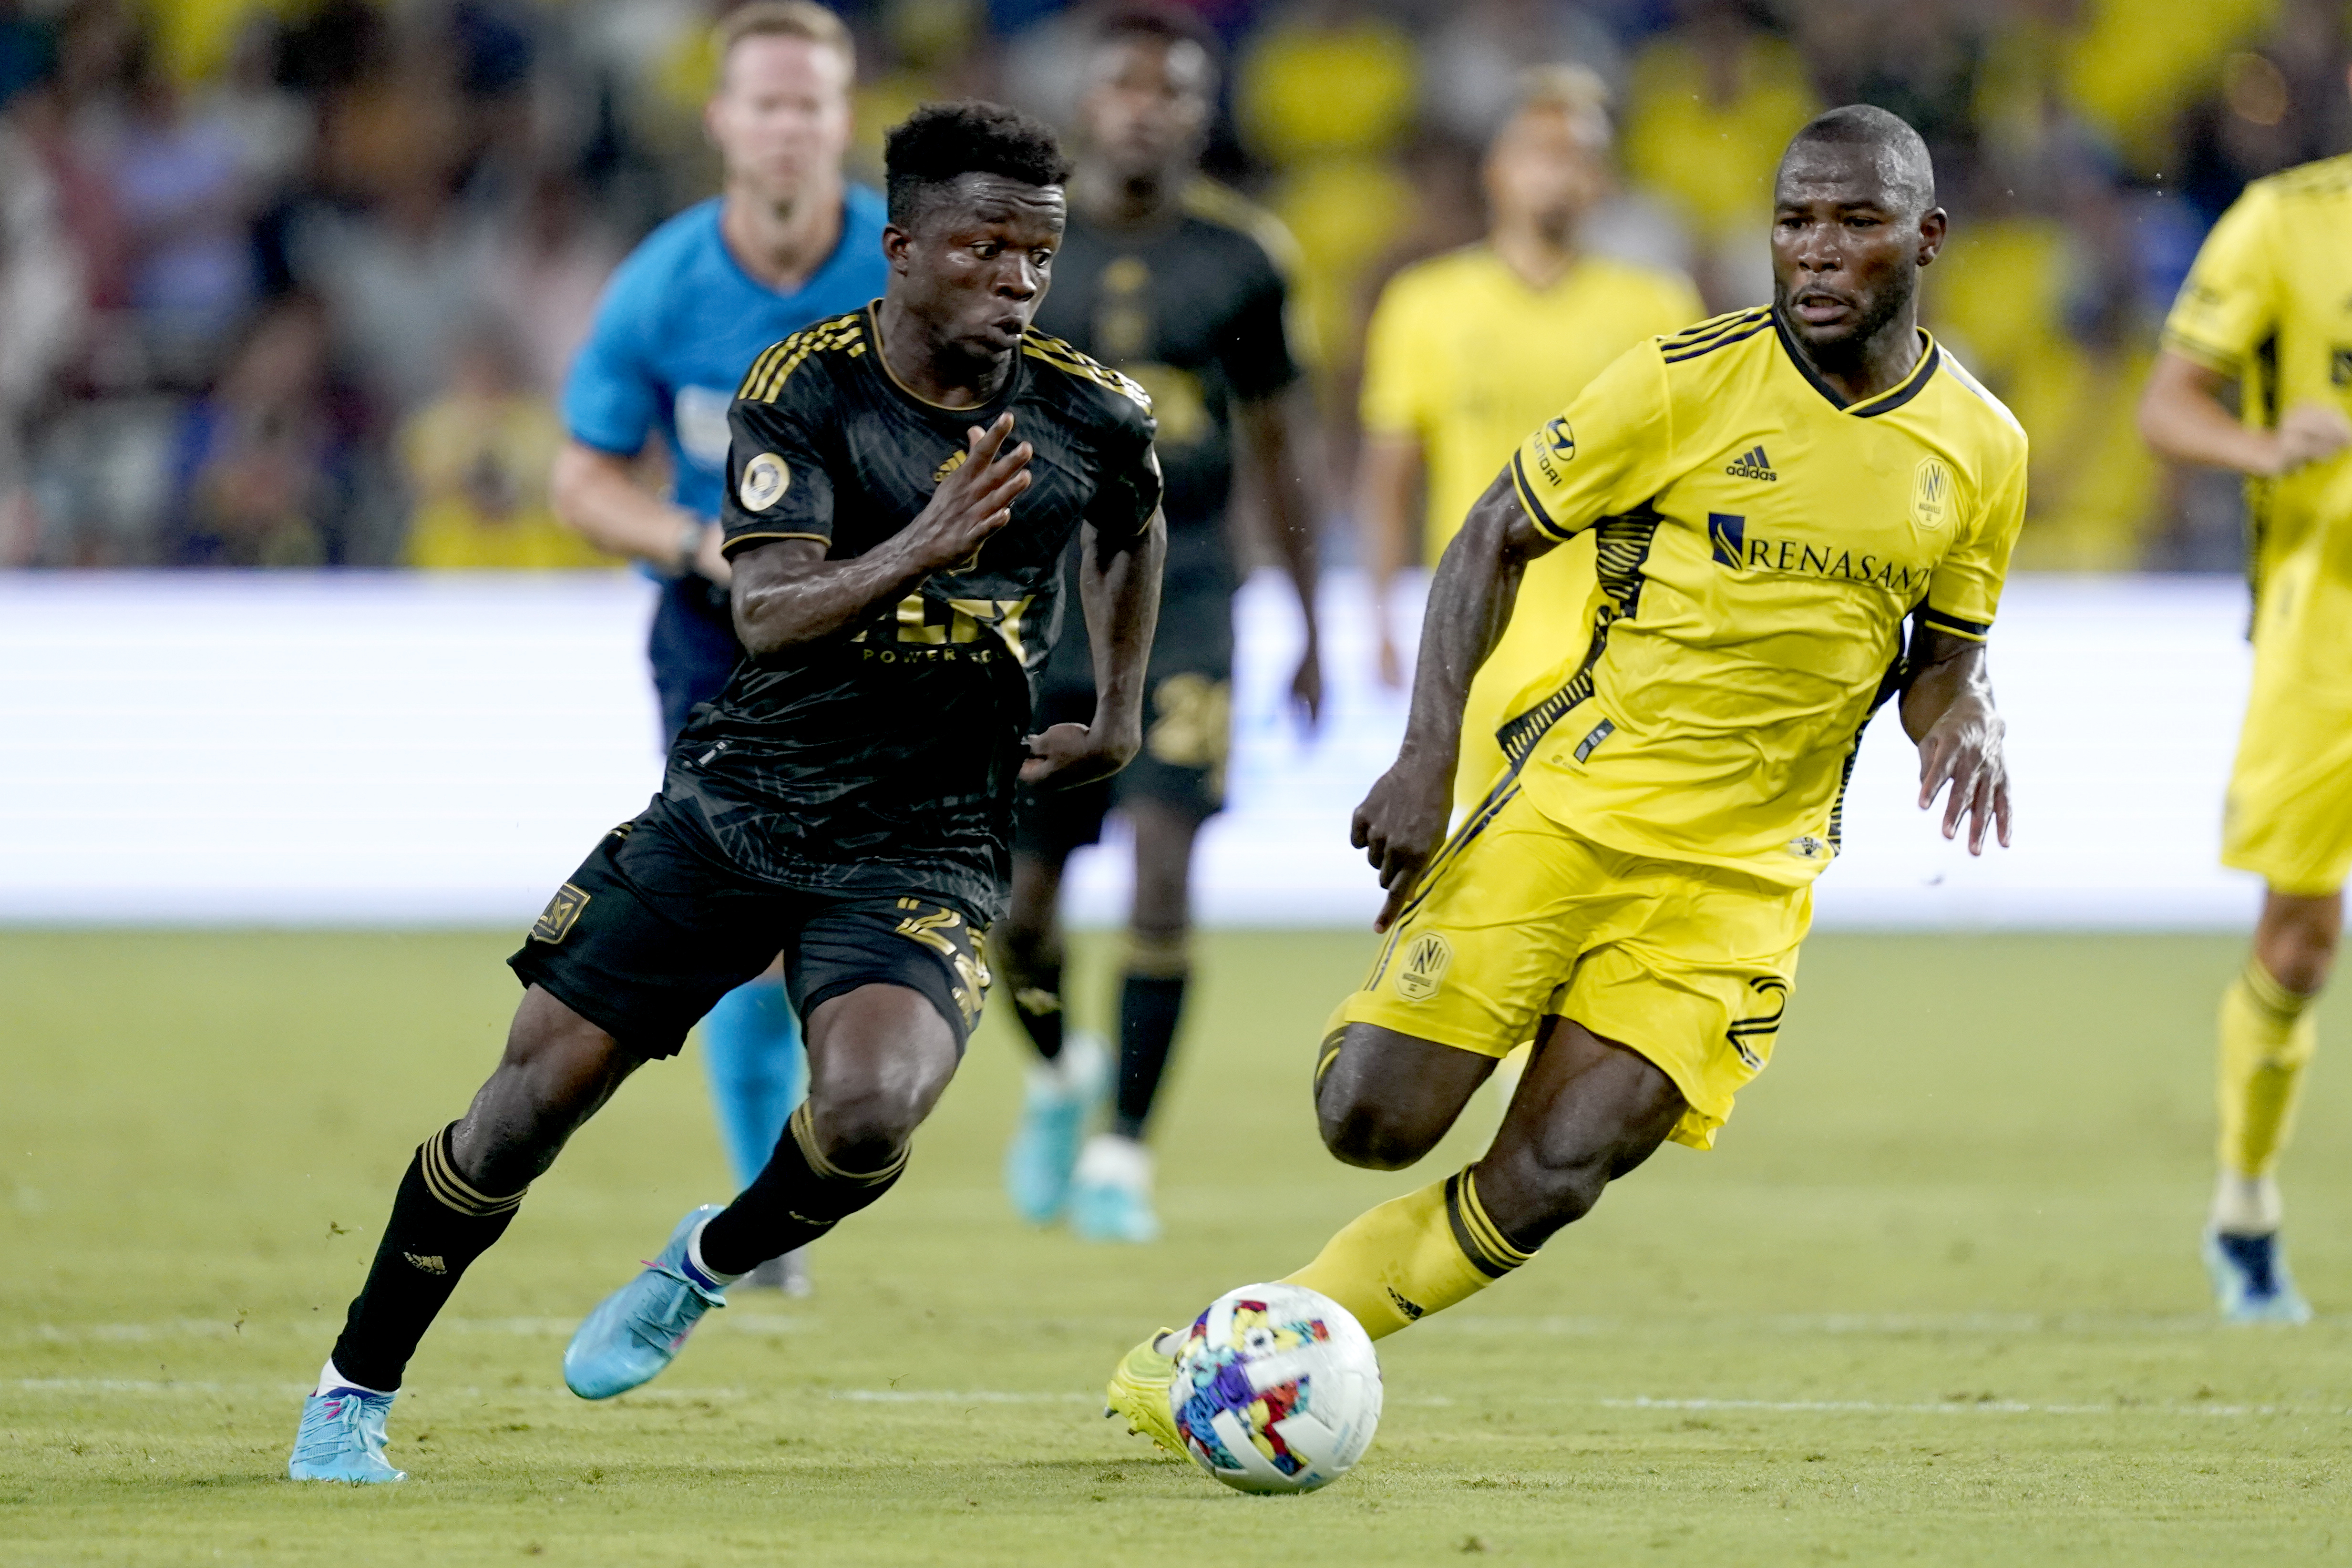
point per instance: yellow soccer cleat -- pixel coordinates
(1138, 1391)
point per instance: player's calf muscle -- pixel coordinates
(557, 1070)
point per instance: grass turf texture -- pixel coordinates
(1934, 1297)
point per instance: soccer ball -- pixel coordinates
(1277, 1389)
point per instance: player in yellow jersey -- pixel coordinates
(1773, 493)
(1468, 351)
(2269, 305)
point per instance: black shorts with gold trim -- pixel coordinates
(653, 929)
(1187, 733)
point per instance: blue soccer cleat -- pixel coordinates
(342, 1440)
(637, 1330)
(1110, 1192)
(2251, 1283)
(1061, 1099)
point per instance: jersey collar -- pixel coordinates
(1892, 398)
(992, 408)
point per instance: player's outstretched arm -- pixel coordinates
(1948, 710)
(1118, 590)
(786, 592)
(1402, 822)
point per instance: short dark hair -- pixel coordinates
(941, 142)
(1168, 26)
(1168, 23)
(1898, 151)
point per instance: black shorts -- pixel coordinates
(653, 929)
(1191, 722)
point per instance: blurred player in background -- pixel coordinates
(787, 243)
(1468, 351)
(1179, 284)
(2268, 305)
(1774, 492)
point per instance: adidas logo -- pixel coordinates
(431, 1264)
(1413, 1310)
(1754, 465)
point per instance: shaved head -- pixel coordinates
(1900, 158)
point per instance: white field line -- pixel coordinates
(153, 1387)
(321, 1328)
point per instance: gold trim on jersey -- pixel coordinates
(1063, 357)
(727, 549)
(775, 366)
(1205, 199)
(883, 356)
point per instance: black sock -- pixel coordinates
(1150, 1005)
(799, 1196)
(1035, 982)
(440, 1223)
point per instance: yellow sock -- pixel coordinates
(2267, 1039)
(1413, 1256)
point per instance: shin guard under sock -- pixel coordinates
(1413, 1256)
(440, 1223)
(798, 1198)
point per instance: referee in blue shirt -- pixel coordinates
(787, 243)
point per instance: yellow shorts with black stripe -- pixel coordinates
(1519, 918)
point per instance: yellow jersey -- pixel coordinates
(1760, 542)
(2270, 302)
(1463, 358)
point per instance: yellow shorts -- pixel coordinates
(1518, 919)
(2289, 813)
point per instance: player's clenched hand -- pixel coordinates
(1962, 749)
(2309, 432)
(1399, 826)
(1067, 755)
(971, 503)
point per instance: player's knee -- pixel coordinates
(2298, 941)
(1360, 1130)
(865, 1129)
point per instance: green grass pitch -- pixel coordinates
(1934, 1297)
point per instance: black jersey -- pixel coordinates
(882, 759)
(1195, 310)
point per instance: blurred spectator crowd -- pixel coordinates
(294, 282)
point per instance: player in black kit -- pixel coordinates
(1179, 284)
(902, 484)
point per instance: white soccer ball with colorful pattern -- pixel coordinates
(1277, 1389)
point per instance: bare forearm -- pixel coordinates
(1275, 452)
(1954, 671)
(2181, 417)
(595, 495)
(1469, 602)
(1118, 590)
(1383, 498)
(816, 598)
